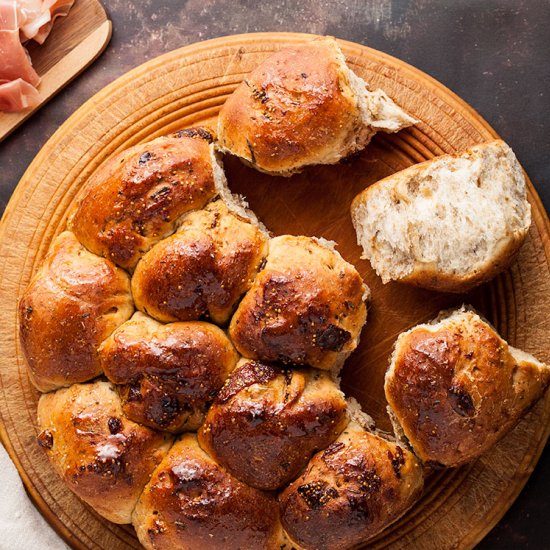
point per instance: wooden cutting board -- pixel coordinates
(187, 87)
(74, 43)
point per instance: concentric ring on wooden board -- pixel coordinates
(187, 87)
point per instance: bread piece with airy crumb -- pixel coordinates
(455, 387)
(447, 224)
(304, 106)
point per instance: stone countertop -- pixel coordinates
(494, 54)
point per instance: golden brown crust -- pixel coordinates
(456, 388)
(267, 421)
(73, 302)
(305, 307)
(104, 458)
(295, 109)
(202, 270)
(350, 492)
(192, 503)
(136, 198)
(167, 375)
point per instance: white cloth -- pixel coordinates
(21, 525)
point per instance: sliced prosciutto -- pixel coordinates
(14, 60)
(55, 9)
(22, 20)
(17, 95)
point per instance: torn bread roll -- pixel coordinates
(447, 224)
(455, 387)
(303, 106)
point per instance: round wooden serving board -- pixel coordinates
(187, 87)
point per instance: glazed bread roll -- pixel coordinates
(304, 106)
(138, 196)
(203, 269)
(267, 421)
(455, 387)
(350, 492)
(73, 302)
(447, 224)
(167, 375)
(103, 457)
(305, 307)
(193, 503)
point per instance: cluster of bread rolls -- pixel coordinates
(239, 337)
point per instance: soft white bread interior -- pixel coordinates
(304, 106)
(447, 224)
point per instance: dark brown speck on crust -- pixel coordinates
(397, 460)
(115, 425)
(45, 439)
(332, 338)
(200, 133)
(461, 401)
(317, 493)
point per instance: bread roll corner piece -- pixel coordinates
(455, 387)
(304, 106)
(448, 224)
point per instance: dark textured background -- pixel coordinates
(495, 54)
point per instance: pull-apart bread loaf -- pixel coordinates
(167, 375)
(73, 302)
(349, 492)
(138, 196)
(193, 503)
(305, 307)
(203, 269)
(104, 457)
(267, 421)
(447, 224)
(455, 387)
(304, 106)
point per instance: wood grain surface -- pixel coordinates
(187, 87)
(75, 42)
